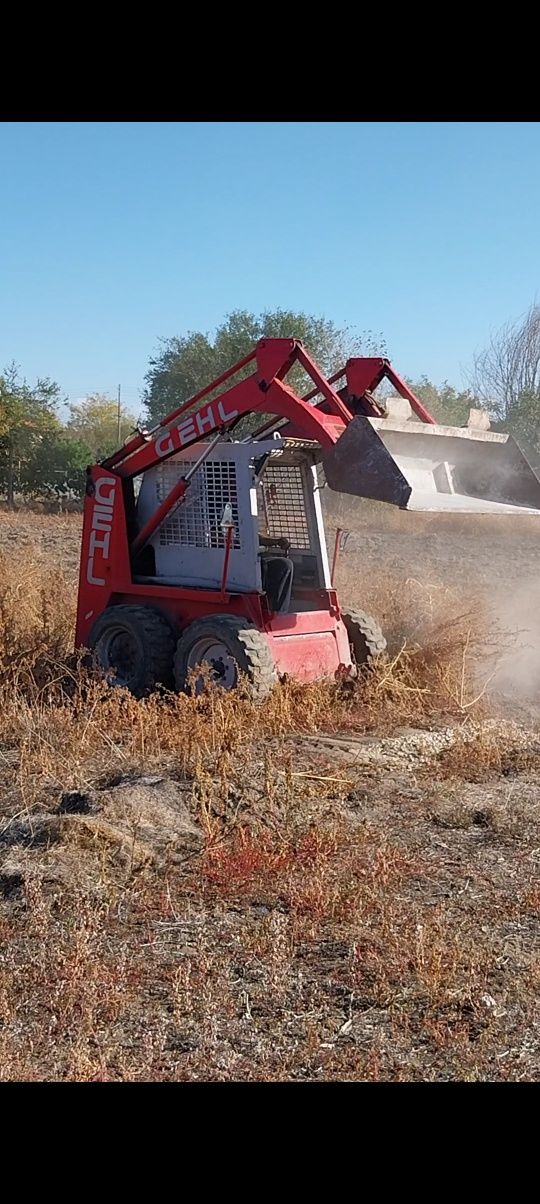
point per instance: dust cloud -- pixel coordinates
(515, 658)
(461, 563)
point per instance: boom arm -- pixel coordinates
(265, 391)
(413, 465)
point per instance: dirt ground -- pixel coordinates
(329, 890)
(50, 540)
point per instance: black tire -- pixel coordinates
(366, 638)
(135, 642)
(248, 653)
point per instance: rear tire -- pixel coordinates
(137, 644)
(229, 646)
(365, 636)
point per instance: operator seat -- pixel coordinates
(277, 571)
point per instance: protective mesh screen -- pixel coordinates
(280, 502)
(196, 522)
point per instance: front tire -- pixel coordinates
(135, 645)
(229, 647)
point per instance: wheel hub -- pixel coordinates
(222, 666)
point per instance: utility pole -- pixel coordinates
(119, 418)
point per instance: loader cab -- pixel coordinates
(271, 491)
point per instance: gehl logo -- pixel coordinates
(192, 428)
(100, 531)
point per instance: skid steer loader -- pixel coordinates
(202, 549)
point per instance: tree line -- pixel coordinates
(41, 451)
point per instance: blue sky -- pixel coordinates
(114, 234)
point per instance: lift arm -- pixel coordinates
(414, 465)
(264, 391)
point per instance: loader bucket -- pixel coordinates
(418, 466)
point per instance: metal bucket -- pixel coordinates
(419, 466)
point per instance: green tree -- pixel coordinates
(185, 364)
(56, 459)
(27, 415)
(444, 402)
(95, 422)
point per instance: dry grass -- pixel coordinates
(486, 755)
(258, 909)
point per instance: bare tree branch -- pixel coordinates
(509, 367)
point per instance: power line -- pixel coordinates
(82, 394)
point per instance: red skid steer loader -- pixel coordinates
(202, 549)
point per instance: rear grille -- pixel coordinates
(281, 505)
(196, 523)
